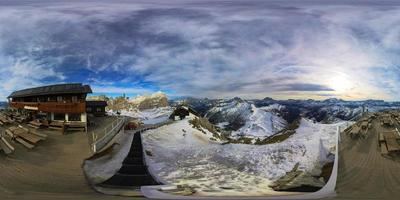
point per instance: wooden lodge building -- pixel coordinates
(61, 102)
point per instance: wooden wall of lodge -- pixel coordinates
(55, 107)
(49, 103)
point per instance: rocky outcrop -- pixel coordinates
(143, 102)
(298, 181)
(155, 100)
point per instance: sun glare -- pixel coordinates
(340, 84)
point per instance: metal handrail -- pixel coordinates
(109, 130)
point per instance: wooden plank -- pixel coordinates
(55, 128)
(13, 128)
(26, 136)
(26, 144)
(381, 138)
(391, 135)
(9, 133)
(34, 132)
(7, 143)
(32, 126)
(384, 150)
(23, 128)
(392, 145)
(5, 147)
(35, 123)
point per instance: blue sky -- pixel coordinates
(250, 49)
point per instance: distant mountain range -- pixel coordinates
(256, 118)
(3, 104)
(266, 117)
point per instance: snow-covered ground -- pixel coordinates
(148, 116)
(100, 169)
(261, 123)
(257, 122)
(183, 155)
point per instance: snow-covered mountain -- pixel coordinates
(149, 109)
(148, 116)
(155, 100)
(244, 119)
(260, 123)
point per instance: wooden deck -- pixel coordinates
(363, 172)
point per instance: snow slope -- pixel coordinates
(260, 123)
(148, 116)
(245, 119)
(183, 155)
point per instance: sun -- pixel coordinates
(340, 83)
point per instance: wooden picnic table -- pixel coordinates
(391, 135)
(26, 136)
(355, 130)
(392, 145)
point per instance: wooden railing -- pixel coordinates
(56, 107)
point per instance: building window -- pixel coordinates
(59, 99)
(59, 116)
(51, 99)
(74, 99)
(74, 117)
(89, 109)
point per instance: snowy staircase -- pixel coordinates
(133, 173)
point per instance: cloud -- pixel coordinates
(305, 87)
(214, 49)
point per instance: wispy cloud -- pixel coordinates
(216, 49)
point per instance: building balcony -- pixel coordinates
(54, 107)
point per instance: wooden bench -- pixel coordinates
(381, 138)
(26, 136)
(26, 144)
(384, 150)
(34, 132)
(392, 145)
(35, 124)
(57, 125)
(392, 135)
(6, 146)
(76, 126)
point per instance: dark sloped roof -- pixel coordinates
(70, 88)
(96, 103)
